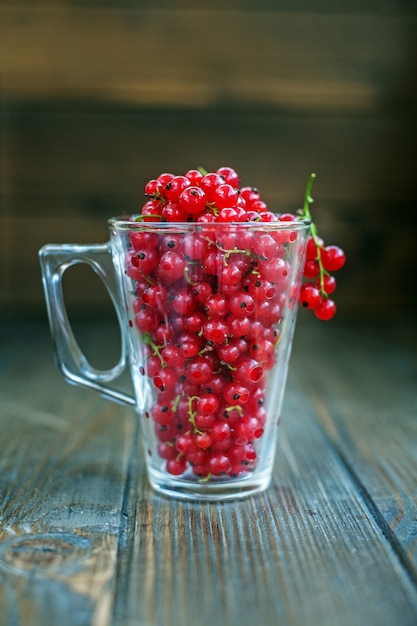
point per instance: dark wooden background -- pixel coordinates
(98, 97)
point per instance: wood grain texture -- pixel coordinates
(85, 542)
(368, 409)
(165, 56)
(71, 167)
(64, 459)
(98, 97)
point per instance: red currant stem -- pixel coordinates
(306, 215)
(148, 280)
(141, 218)
(206, 349)
(187, 277)
(212, 207)
(235, 250)
(155, 348)
(155, 196)
(192, 414)
(205, 479)
(228, 365)
(308, 199)
(176, 402)
(202, 170)
(235, 407)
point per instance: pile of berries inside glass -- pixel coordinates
(223, 296)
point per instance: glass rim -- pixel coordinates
(123, 223)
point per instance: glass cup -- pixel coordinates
(207, 314)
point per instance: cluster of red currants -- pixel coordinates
(203, 197)
(320, 262)
(209, 313)
(209, 305)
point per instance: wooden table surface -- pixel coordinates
(84, 541)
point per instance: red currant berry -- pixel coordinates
(167, 450)
(208, 403)
(193, 200)
(154, 189)
(313, 248)
(215, 331)
(141, 240)
(154, 295)
(172, 356)
(274, 270)
(225, 196)
(219, 464)
(287, 217)
(165, 178)
(199, 370)
(147, 320)
(204, 440)
(325, 310)
(242, 305)
(239, 327)
(230, 276)
(311, 269)
(216, 306)
(183, 302)
(228, 214)
(262, 350)
(247, 370)
(194, 322)
(190, 345)
(204, 420)
(230, 352)
(267, 216)
(235, 394)
(174, 188)
(221, 431)
(265, 246)
(173, 212)
(176, 466)
(329, 283)
(333, 258)
(209, 184)
(194, 176)
(250, 195)
(229, 176)
(145, 260)
(165, 379)
(162, 413)
(185, 443)
(309, 296)
(171, 266)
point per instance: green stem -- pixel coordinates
(141, 218)
(192, 414)
(156, 350)
(235, 250)
(306, 214)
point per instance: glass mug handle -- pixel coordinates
(74, 366)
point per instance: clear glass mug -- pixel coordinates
(207, 315)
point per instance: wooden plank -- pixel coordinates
(65, 157)
(64, 461)
(308, 551)
(292, 60)
(70, 168)
(385, 7)
(102, 549)
(368, 409)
